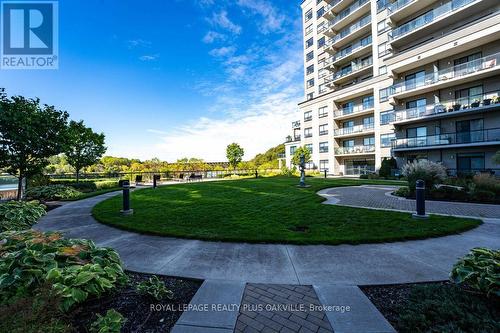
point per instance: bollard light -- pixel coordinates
(126, 199)
(256, 174)
(420, 200)
(154, 181)
(325, 173)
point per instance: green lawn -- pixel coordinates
(271, 210)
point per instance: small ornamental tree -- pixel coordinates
(301, 151)
(234, 154)
(84, 147)
(29, 134)
(388, 164)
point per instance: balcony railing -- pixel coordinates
(392, 7)
(349, 30)
(463, 103)
(353, 110)
(354, 150)
(343, 14)
(353, 48)
(471, 137)
(354, 68)
(296, 124)
(354, 129)
(293, 138)
(330, 6)
(428, 17)
(453, 72)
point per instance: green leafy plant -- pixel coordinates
(431, 173)
(301, 151)
(403, 191)
(112, 322)
(154, 288)
(51, 192)
(479, 269)
(19, 215)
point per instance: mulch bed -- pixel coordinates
(137, 308)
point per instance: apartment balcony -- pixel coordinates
(434, 20)
(334, 7)
(347, 35)
(294, 138)
(356, 70)
(355, 150)
(400, 9)
(355, 51)
(485, 137)
(354, 131)
(296, 124)
(355, 111)
(349, 15)
(452, 76)
(486, 102)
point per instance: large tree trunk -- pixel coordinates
(20, 188)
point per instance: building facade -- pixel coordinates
(413, 79)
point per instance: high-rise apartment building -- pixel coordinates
(413, 79)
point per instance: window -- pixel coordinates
(348, 124)
(308, 116)
(310, 83)
(467, 64)
(310, 96)
(382, 70)
(323, 129)
(470, 130)
(384, 94)
(469, 95)
(381, 26)
(321, 42)
(382, 49)
(308, 15)
(470, 162)
(386, 139)
(320, 27)
(323, 88)
(323, 147)
(309, 147)
(367, 102)
(320, 12)
(309, 42)
(323, 165)
(322, 73)
(348, 143)
(386, 117)
(414, 80)
(310, 56)
(293, 149)
(323, 112)
(308, 132)
(368, 122)
(310, 70)
(309, 29)
(416, 136)
(370, 141)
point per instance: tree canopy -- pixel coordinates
(299, 151)
(234, 154)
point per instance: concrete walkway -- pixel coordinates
(400, 262)
(379, 197)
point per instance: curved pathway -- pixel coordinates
(400, 262)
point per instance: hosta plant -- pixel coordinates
(155, 288)
(51, 192)
(20, 215)
(479, 269)
(112, 322)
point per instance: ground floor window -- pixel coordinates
(324, 165)
(359, 167)
(416, 157)
(470, 162)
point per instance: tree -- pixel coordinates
(84, 147)
(299, 151)
(234, 154)
(29, 134)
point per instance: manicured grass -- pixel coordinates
(85, 195)
(271, 210)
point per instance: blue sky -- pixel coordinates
(175, 78)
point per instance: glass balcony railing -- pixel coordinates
(349, 10)
(353, 68)
(349, 30)
(470, 137)
(392, 7)
(465, 103)
(471, 67)
(354, 150)
(355, 109)
(428, 17)
(351, 49)
(330, 6)
(354, 129)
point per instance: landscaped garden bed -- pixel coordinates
(69, 190)
(269, 210)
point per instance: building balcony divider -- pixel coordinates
(354, 150)
(446, 139)
(356, 109)
(427, 18)
(471, 103)
(354, 129)
(471, 67)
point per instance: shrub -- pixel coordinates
(403, 191)
(112, 322)
(387, 166)
(106, 184)
(445, 192)
(51, 192)
(20, 215)
(479, 269)
(28, 257)
(482, 196)
(154, 288)
(431, 173)
(288, 172)
(487, 182)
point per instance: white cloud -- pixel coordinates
(149, 57)
(272, 20)
(225, 51)
(213, 36)
(221, 20)
(138, 43)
